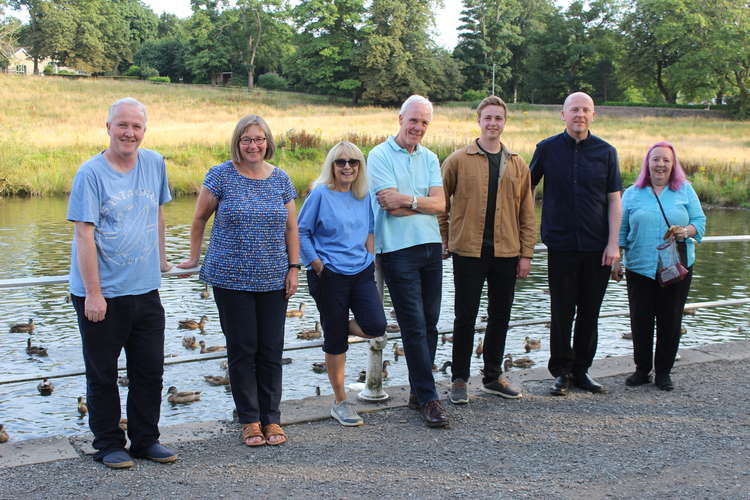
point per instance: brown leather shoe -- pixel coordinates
(434, 415)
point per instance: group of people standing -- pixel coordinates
(397, 210)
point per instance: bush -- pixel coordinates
(474, 95)
(148, 72)
(49, 69)
(159, 79)
(272, 81)
(133, 71)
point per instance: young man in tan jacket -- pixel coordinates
(488, 228)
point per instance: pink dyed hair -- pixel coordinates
(676, 177)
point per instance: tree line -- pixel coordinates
(379, 51)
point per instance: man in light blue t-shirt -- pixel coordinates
(407, 194)
(115, 272)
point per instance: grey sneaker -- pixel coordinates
(501, 387)
(458, 395)
(345, 413)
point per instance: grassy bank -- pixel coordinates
(49, 126)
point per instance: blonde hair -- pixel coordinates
(492, 100)
(347, 151)
(239, 129)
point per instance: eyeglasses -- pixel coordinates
(341, 163)
(245, 141)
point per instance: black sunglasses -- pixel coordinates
(341, 163)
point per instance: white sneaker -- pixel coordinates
(345, 413)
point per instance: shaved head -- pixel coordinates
(577, 96)
(578, 113)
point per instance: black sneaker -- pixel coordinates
(501, 387)
(663, 382)
(638, 378)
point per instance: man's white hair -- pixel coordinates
(127, 100)
(414, 99)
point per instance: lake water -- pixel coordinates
(35, 241)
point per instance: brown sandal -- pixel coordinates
(271, 430)
(252, 431)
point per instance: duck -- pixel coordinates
(530, 344)
(392, 328)
(446, 338)
(205, 293)
(286, 361)
(123, 380)
(23, 327)
(296, 313)
(397, 350)
(189, 341)
(315, 333)
(182, 397)
(627, 336)
(45, 387)
(444, 367)
(82, 408)
(3, 434)
(317, 390)
(34, 349)
(508, 363)
(683, 330)
(520, 362)
(213, 348)
(319, 367)
(191, 324)
(224, 364)
(216, 380)
(363, 374)
(480, 348)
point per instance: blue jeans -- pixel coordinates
(414, 277)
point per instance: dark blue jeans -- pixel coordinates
(135, 323)
(335, 294)
(414, 277)
(253, 324)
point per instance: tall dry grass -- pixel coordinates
(49, 126)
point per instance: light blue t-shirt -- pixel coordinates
(124, 207)
(333, 227)
(391, 166)
(643, 226)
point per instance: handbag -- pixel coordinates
(670, 254)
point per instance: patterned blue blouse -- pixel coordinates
(247, 250)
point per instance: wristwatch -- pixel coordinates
(297, 266)
(414, 203)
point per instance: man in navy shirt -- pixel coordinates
(580, 225)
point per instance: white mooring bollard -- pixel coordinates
(373, 390)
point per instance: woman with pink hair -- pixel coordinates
(660, 205)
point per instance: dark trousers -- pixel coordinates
(414, 277)
(335, 294)
(469, 275)
(253, 324)
(135, 323)
(577, 282)
(649, 303)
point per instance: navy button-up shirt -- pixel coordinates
(577, 179)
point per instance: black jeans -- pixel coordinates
(469, 275)
(577, 283)
(135, 323)
(335, 294)
(253, 324)
(649, 303)
(414, 277)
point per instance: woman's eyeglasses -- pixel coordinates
(341, 163)
(246, 141)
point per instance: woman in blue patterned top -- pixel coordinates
(336, 236)
(252, 263)
(661, 181)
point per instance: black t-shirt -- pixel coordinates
(488, 240)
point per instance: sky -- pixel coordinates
(446, 18)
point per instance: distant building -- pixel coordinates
(21, 63)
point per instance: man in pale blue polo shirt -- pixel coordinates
(407, 196)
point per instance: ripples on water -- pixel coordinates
(35, 241)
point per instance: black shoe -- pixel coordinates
(560, 386)
(663, 381)
(413, 401)
(585, 382)
(433, 414)
(638, 378)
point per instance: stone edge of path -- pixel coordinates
(35, 451)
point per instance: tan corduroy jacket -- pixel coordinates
(466, 182)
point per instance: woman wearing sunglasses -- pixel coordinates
(337, 244)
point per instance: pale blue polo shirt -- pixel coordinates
(391, 166)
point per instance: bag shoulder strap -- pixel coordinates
(661, 208)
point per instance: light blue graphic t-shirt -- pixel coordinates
(124, 207)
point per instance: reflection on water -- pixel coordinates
(35, 241)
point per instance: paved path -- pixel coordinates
(630, 443)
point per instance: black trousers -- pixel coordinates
(253, 324)
(649, 303)
(469, 275)
(135, 323)
(577, 282)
